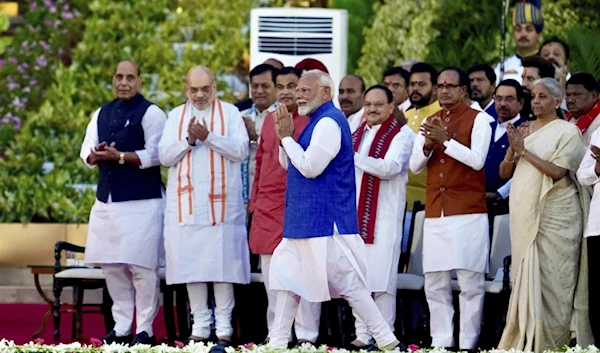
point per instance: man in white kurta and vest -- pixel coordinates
(453, 145)
(264, 101)
(125, 227)
(382, 148)
(321, 249)
(204, 144)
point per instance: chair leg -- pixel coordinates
(74, 313)
(106, 308)
(184, 320)
(79, 314)
(57, 290)
(168, 312)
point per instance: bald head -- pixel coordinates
(200, 87)
(198, 71)
(126, 80)
(130, 64)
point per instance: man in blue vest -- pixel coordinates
(125, 227)
(321, 249)
(509, 97)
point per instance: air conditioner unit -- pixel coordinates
(292, 34)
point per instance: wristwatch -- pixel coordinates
(122, 158)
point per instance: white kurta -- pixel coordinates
(356, 119)
(203, 252)
(258, 118)
(300, 265)
(513, 69)
(586, 175)
(128, 232)
(384, 254)
(460, 241)
(404, 106)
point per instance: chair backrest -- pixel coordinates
(61, 246)
(415, 261)
(500, 247)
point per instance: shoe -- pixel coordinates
(197, 339)
(143, 338)
(223, 342)
(354, 348)
(113, 338)
(400, 346)
(217, 349)
(301, 342)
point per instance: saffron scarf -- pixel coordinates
(218, 187)
(369, 190)
(586, 120)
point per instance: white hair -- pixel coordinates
(551, 85)
(324, 80)
(408, 62)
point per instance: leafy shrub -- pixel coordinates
(166, 38)
(27, 67)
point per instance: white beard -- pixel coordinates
(309, 107)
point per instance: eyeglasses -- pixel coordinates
(305, 90)
(448, 86)
(508, 99)
(375, 105)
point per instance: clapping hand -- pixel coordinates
(516, 138)
(284, 124)
(251, 128)
(434, 132)
(197, 131)
(104, 152)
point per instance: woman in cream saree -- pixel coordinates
(549, 294)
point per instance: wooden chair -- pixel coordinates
(79, 279)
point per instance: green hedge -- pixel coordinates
(465, 32)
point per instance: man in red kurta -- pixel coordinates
(267, 204)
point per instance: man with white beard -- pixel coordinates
(203, 144)
(321, 248)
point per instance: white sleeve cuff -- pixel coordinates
(145, 159)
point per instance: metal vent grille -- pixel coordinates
(295, 46)
(297, 24)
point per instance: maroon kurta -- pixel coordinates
(267, 201)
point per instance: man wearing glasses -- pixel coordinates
(509, 98)
(453, 145)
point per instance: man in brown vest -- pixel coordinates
(453, 145)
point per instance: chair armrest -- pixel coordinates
(506, 276)
(58, 249)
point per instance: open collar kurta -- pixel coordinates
(267, 201)
(249, 166)
(383, 255)
(203, 252)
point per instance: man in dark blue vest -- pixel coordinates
(509, 98)
(125, 227)
(321, 248)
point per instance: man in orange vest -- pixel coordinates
(453, 145)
